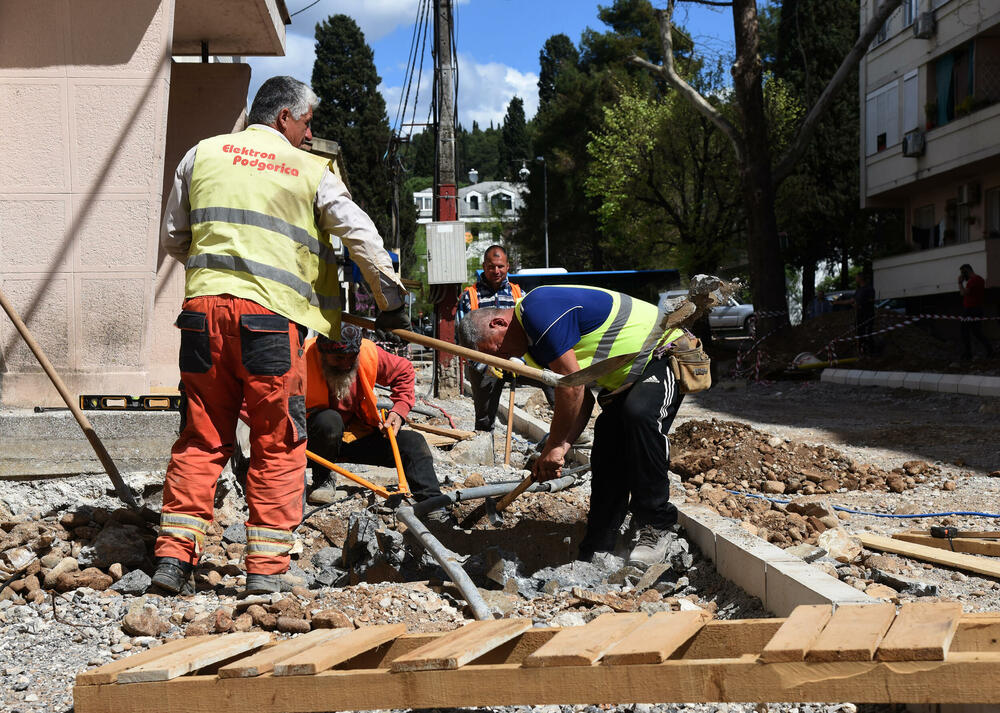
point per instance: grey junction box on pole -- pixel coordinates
(446, 253)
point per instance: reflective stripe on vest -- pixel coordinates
(631, 326)
(318, 393)
(253, 229)
(515, 292)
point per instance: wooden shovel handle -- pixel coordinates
(513, 494)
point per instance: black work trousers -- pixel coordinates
(487, 389)
(973, 329)
(631, 456)
(326, 439)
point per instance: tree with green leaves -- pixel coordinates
(557, 50)
(352, 113)
(515, 143)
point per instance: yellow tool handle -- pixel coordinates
(404, 487)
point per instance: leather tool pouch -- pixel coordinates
(690, 364)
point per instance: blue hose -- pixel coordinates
(968, 513)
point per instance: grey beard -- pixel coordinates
(339, 382)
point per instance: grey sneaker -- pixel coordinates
(263, 583)
(650, 548)
(323, 494)
(172, 574)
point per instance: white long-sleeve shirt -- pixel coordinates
(336, 214)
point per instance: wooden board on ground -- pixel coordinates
(455, 433)
(264, 661)
(969, 545)
(853, 633)
(922, 631)
(108, 673)
(958, 560)
(198, 656)
(798, 634)
(657, 638)
(584, 645)
(439, 441)
(347, 646)
(461, 646)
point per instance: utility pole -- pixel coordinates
(445, 193)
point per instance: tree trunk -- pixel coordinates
(808, 287)
(767, 275)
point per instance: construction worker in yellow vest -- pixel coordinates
(567, 328)
(492, 289)
(250, 216)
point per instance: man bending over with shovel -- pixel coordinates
(343, 420)
(567, 328)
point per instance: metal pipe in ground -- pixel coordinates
(489, 491)
(446, 558)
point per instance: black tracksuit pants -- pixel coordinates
(630, 458)
(326, 439)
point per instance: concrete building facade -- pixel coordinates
(98, 108)
(930, 122)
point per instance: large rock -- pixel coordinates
(66, 564)
(135, 582)
(90, 577)
(331, 619)
(474, 451)
(840, 545)
(144, 621)
(115, 543)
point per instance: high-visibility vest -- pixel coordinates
(631, 326)
(254, 232)
(318, 393)
(515, 291)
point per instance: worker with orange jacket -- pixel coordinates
(343, 417)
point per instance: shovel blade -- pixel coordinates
(491, 512)
(595, 371)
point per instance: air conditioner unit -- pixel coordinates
(968, 193)
(913, 143)
(923, 28)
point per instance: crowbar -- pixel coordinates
(546, 376)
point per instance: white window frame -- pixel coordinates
(882, 117)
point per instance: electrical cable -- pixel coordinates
(841, 508)
(315, 2)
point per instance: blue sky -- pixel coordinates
(498, 42)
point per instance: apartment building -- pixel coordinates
(930, 144)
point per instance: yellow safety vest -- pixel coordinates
(253, 229)
(631, 326)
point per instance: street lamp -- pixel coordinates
(523, 174)
(473, 175)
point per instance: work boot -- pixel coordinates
(262, 584)
(172, 574)
(650, 548)
(323, 493)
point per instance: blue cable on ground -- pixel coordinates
(968, 513)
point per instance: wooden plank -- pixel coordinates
(853, 633)
(264, 660)
(958, 560)
(584, 645)
(438, 441)
(461, 646)
(347, 646)
(798, 634)
(657, 638)
(457, 434)
(960, 544)
(218, 648)
(979, 534)
(965, 678)
(108, 673)
(922, 631)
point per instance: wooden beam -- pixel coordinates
(455, 433)
(347, 646)
(585, 645)
(108, 673)
(198, 656)
(798, 634)
(965, 678)
(969, 545)
(461, 646)
(969, 563)
(657, 639)
(265, 660)
(922, 631)
(853, 633)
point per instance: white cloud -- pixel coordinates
(376, 18)
(484, 90)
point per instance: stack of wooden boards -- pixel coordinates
(922, 653)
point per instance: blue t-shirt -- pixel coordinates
(556, 317)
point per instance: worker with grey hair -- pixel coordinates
(250, 216)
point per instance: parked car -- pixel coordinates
(731, 315)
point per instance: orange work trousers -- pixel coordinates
(235, 352)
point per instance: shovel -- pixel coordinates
(546, 376)
(494, 510)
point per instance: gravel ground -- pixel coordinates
(44, 643)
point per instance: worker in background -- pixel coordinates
(343, 418)
(819, 305)
(566, 328)
(492, 289)
(972, 287)
(250, 216)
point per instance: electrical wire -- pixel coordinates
(965, 513)
(315, 2)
